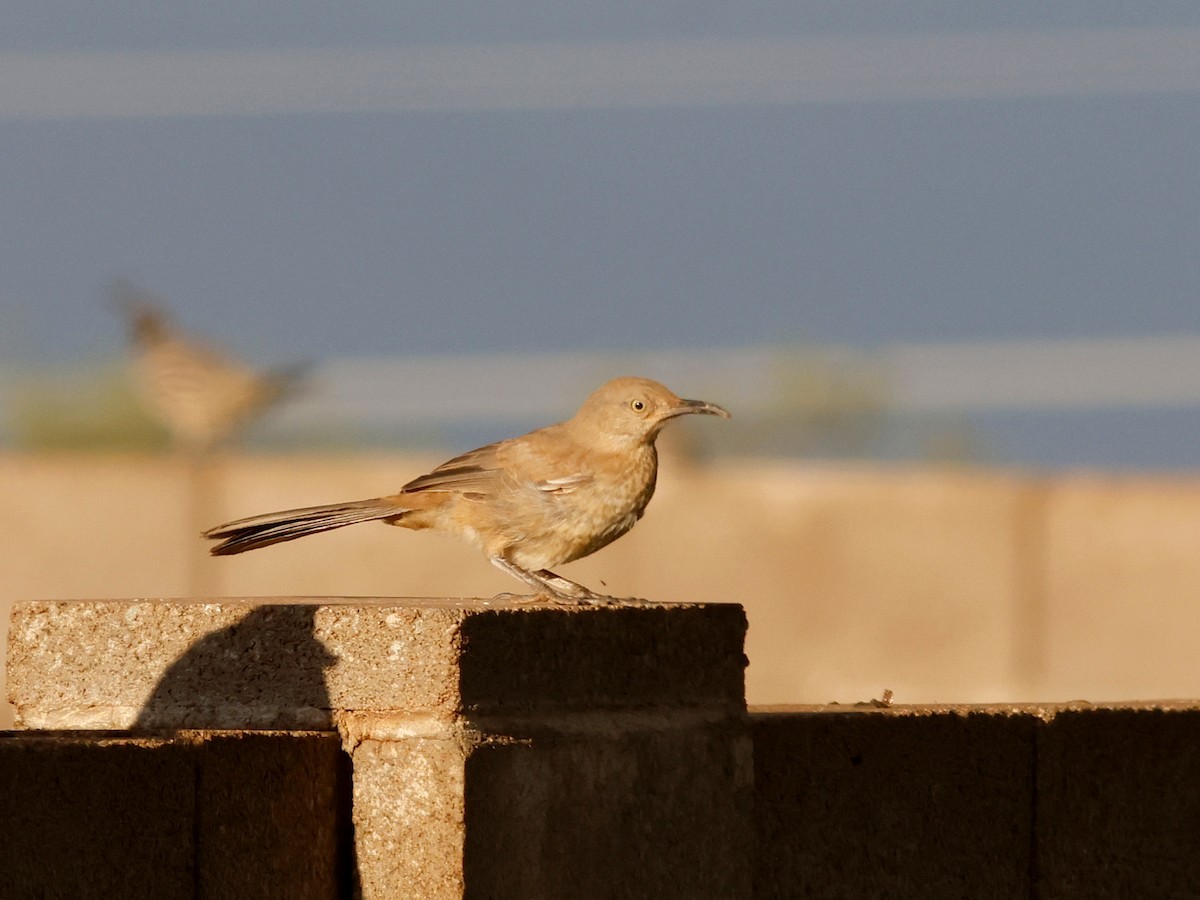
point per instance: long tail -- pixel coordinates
(276, 527)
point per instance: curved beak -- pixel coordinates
(698, 406)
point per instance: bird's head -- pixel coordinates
(635, 409)
(147, 322)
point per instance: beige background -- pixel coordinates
(941, 585)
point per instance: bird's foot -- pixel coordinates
(556, 598)
(553, 588)
(588, 598)
(569, 593)
(547, 597)
(575, 595)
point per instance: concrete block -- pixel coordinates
(409, 818)
(85, 818)
(635, 806)
(902, 802)
(269, 663)
(1118, 803)
(658, 808)
(273, 816)
(500, 749)
(196, 816)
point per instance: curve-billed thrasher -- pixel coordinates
(532, 502)
(201, 394)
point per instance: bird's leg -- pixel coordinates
(526, 576)
(559, 589)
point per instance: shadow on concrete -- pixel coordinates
(267, 671)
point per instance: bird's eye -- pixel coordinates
(637, 405)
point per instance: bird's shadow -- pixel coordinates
(264, 672)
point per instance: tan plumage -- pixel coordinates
(548, 497)
(201, 394)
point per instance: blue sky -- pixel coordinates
(399, 179)
(56, 25)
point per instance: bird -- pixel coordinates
(530, 503)
(201, 394)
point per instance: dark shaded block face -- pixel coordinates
(606, 658)
(863, 804)
(641, 812)
(96, 819)
(215, 814)
(1118, 809)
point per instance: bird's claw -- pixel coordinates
(515, 599)
(547, 596)
(595, 600)
(586, 598)
(563, 598)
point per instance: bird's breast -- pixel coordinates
(549, 526)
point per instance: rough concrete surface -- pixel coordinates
(1039, 801)
(649, 806)
(1118, 803)
(500, 748)
(196, 816)
(277, 663)
(273, 816)
(409, 818)
(856, 804)
(89, 818)
(662, 811)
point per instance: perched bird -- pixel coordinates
(548, 497)
(201, 394)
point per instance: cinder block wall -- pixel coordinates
(102, 815)
(1046, 802)
(496, 748)
(979, 802)
(507, 751)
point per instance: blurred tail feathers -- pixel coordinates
(286, 382)
(277, 527)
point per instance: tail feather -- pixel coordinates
(286, 382)
(289, 524)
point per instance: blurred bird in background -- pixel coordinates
(201, 394)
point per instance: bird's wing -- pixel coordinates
(548, 459)
(474, 472)
(530, 458)
(564, 484)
